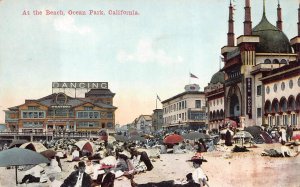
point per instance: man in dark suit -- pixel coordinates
(78, 178)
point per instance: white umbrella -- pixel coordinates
(225, 130)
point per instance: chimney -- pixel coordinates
(247, 22)
(230, 34)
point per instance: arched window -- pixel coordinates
(275, 105)
(275, 61)
(283, 104)
(283, 61)
(268, 108)
(291, 103)
(268, 61)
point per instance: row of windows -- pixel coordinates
(283, 120)
(193, 115)
(275, 61)
(32, 114)
(282, 86)
(175, 107)
(33, 125)
(88, 124)
(216, 102)
(181, 117)
(94, 115)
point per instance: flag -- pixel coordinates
(193, 76)
(157, 97)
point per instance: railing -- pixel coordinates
(55, 134)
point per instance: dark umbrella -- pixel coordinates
(172, 139)
(49, 153)
(16, 143)
(20, 157)
(195, 135)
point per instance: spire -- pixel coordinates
(247, 22)
(279, 21)
(230, 34)
(264, 8)
(299, 20)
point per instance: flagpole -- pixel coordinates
(156, 102)
(190, 78)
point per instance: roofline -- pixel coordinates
(181, 94)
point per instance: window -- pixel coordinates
(285, 119)
(33, 114)
(283, 61)
(282, 86)
(291, 84)
(198, 104)
(275, 87)
(88, 108)
(258, 112)
(109, 125)
(268, 61)
(275, 61)
(268, 89)
(109, 115)
(88, 114)
(258, 90)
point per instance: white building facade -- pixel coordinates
(185, 110)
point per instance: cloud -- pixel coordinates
(67, 24)
(146, 53)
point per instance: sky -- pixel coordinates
(139, 56)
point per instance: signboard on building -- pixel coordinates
(81, 85)
(249, 97)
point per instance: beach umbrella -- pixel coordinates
(49, 153)
(195, 135)
(242, 135)
(20, 157)
(17, 143)
(34, 146)
(172, 139)
(85, 145)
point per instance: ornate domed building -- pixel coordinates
(214, 94)
(249, 66)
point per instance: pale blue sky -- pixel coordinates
(138, 55)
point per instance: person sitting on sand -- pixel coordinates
(33, 175)
(78, 178)
(198, 174)
(286, 151)
(143, 157)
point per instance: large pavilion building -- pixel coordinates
(261, 80)
(59, 111)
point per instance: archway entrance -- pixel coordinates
(234, 106)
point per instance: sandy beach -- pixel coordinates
(223, 168)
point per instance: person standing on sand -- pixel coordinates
(283, 134)
(289, 133)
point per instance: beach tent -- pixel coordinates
(243, 135)
(34, 146)
(49, 153)
(85, 145)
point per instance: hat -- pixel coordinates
(197, 159)
(126, 153)
(105, 166)
(81, 164)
